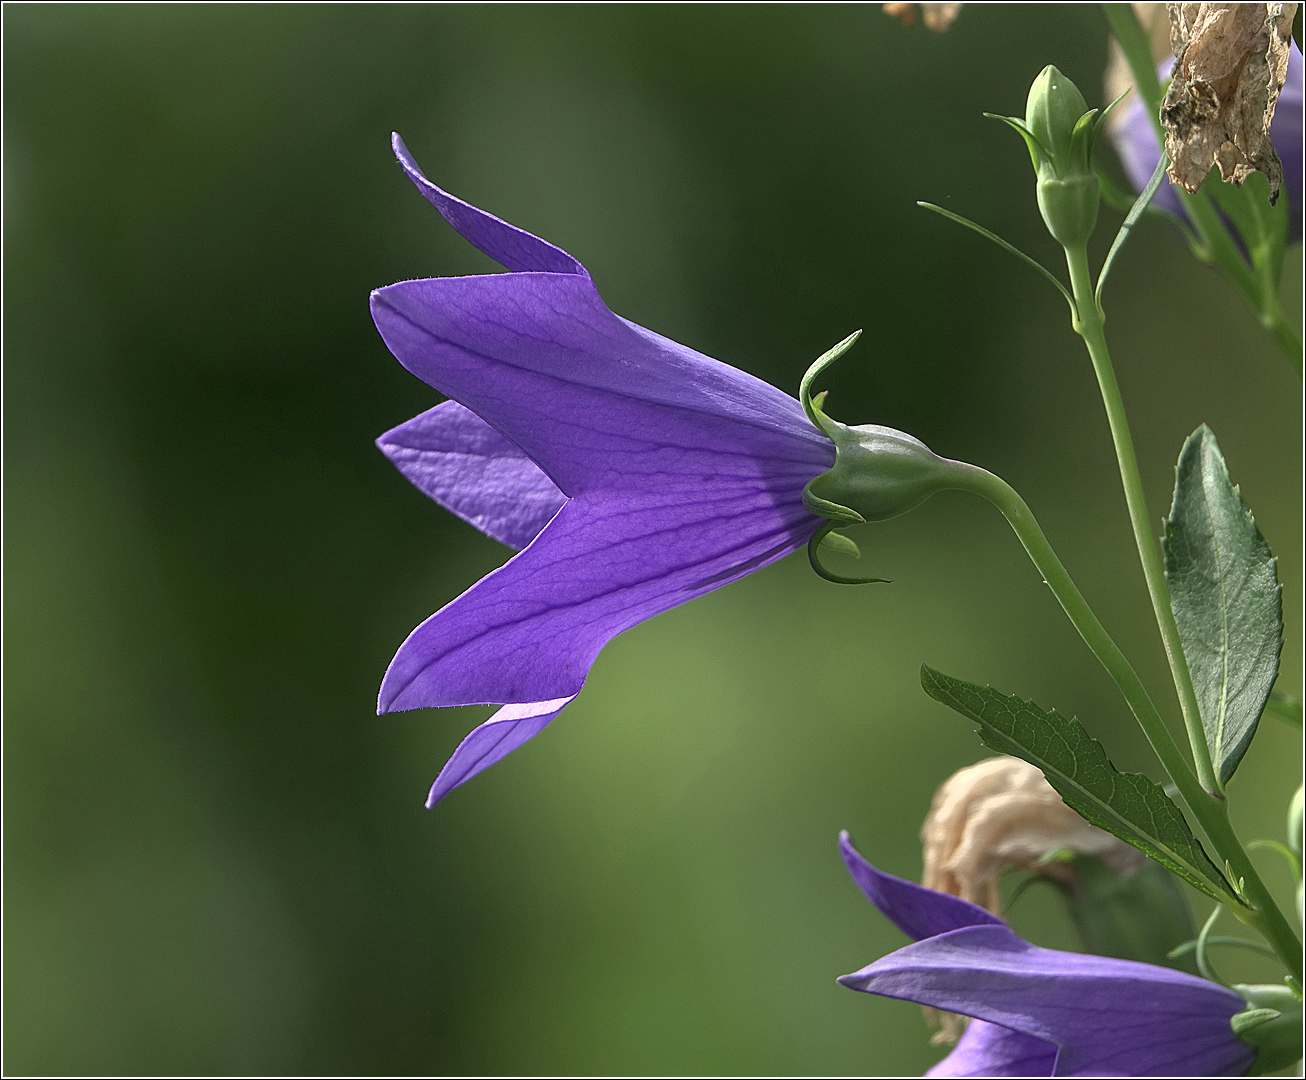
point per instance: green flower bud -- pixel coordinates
(1059, 128)
(1271, 1023)
(1052, 111)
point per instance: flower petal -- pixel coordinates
(595, 401)
(499, 736)
(1104, 1015)
(989, 1050)
(530, 630)
(506, 244)
(915, 910)
(457, 459)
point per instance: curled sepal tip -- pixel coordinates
(835, 512)
(843, 545)
(818, 541)
(813, 407)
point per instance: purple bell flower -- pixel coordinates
(1136, 143)
(1042, 1012)
(633, 473)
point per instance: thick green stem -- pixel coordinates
(1211, 814)
(1089, 327)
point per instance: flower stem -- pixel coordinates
(1089, 327)
(1211, 813)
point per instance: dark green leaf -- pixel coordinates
(1128, 805)
(1226, 597)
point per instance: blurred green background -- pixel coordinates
(216, 856)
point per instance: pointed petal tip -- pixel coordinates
(917, 911)
(493, 740)
(513, 248)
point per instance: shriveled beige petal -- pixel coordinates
(997, 813)
(1232, 62)
(938, 17)
(950, 810)
(1002, 813)
(904, 13)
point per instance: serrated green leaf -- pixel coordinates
(1127, 805)
(1226, 597)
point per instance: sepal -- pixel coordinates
(1272, 1023)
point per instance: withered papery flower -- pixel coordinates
(1001, 813)
(937, 17)
(1232, 60)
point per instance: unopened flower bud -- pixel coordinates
(1052, 111)
(1059, 128)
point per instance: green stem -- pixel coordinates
(1089, 328)
(1211, 814)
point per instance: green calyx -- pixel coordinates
(1060, 129)
(878, 472)
(1272, 1023)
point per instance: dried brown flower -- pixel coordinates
(997, 814)
(1232, 61)
(938, 17)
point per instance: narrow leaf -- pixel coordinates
(1131, 219)
(1128, 805)
(1009, 248)
(1118, 199)
(1226, 597)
